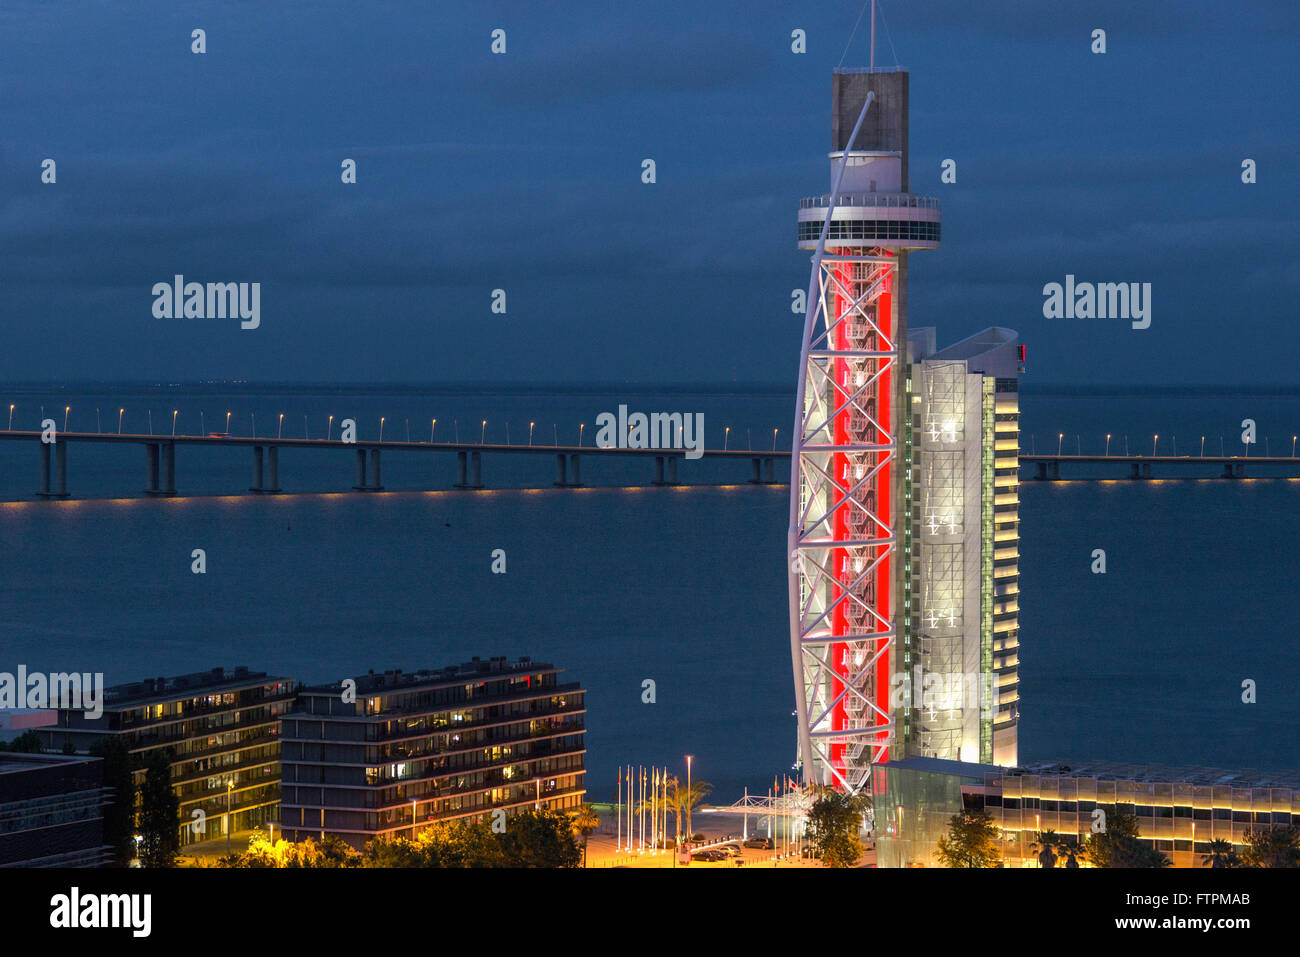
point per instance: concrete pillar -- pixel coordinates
(756, 479)
(151, 468)
(61, 469)
(1135, 471)
(659, 470)
(375, 483)
(476, 469)
(273, 468)
(1040, 471)
(361, 471)
(769, 471)
(672, 469)
(461, 480)
(1054, 471)
(575, 474)
(560, 477)
(1146, 470)
(168, 469)
(45, 469)
(257, 469)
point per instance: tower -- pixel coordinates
(845, 586)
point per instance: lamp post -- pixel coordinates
(555, 430)
(119, 418)
(227, 430)
(175, 413)
(690, 822)
(774, 440)
(482, 433)
(329, 429)
(583, 425)
(230, 784)
(530, 434)
(1108, 443)
(66, 410)
(433, 425)
(279, 431)
(99, 426)
(11, 416)
(726, 434)
(413, 819)
(1155, 439)
(1059, 437)
(381, 428)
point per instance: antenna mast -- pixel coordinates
(873, 36)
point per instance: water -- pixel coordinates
(683, 586)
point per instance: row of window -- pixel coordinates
(919, 231)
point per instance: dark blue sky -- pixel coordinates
(523, 172)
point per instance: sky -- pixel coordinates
(522, 171)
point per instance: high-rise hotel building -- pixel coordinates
(959, 634)
(902, 536)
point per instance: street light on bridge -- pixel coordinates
(1108, 443)
(279, 431)
(119, 418)
(381, 428)
(66, 410)
(175, 413)
(1059, 437)
(530, 433)
(11, 416)
(1154, 439)
(482, 434)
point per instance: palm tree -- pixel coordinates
(585, 820)
(1046, 845)
(1221, 854)
(682, 800)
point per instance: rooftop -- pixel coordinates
(475, 668)
(184, 686)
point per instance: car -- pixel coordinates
(731, 850)
(708, 855)
(761, 843)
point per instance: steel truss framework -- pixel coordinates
(842, 535)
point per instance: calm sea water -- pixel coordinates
(683, 585)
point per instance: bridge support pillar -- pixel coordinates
(575, 471)
(659, 470)
(376, 485)
(1054, 471)
(256, 487)
(769, 471)
(757, 464)
(151, 468)
(672, 469)
(1234, 470)
(1040, 472)
(168, 485)
(560, 477)
(476, 470)
(61, 469)
(462, 463)
(44, 490)
(272, 469)
(1146, 470)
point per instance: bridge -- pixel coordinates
(1048, 467)
(160, 459)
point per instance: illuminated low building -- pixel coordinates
(382, 754)
(1179, 810)
(52, 811)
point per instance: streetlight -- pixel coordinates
(1059, 436)
(119, 419)
(99, 426)
(230, 783)
(202, 428)
(581, 426)
(530, 433)
(1108, 443)
(433, 424)
(381, 428)
(726, 434)
(507, 431)
(774, 440)
(1293, 446)
(279, 429)
(412, 818)
(482, 433)
(690, 828)
(1202, 446)
(329, 429)
(408, 431)
(253, 417)
(1154, 439)
(66, 410)
(555, 430)
(227, 423)
(175, 413)
(11, 416)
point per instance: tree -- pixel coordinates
(1272, 847)
(159, 813)
(330, 852)
(585, 820)
(834, 822)
(682, 800)
(29, 742)
(971, 841)
(540, 838)
(1120, 847)
(1047, 844)
(119, 814)
(1221, 854)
